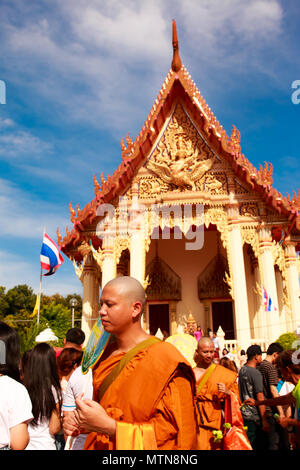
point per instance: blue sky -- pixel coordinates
(81, 74)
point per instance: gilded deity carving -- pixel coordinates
(181, 157)
(249, 210)
(151, 187)
(216, 183)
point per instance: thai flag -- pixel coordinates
(266, 299)
(50, 257)
(268, 302)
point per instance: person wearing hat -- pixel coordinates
(251, 386)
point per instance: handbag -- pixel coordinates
(235, 437)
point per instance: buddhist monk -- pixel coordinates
(213, 382)
(144, 389)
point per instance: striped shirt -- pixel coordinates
(270, 377)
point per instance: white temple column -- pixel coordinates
(285, 324)
(109, 267)
(137, 256)
(292, 280)
(269, 282)
(258, 320)
(90, 302)
(137, 241)
(238, 277)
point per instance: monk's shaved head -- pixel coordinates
(204, 353)
(205, 340)
(130, 288)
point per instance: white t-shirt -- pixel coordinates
(15, 407)
(286, 388)
(78, 382)
(40, 437)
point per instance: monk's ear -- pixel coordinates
(137, 308)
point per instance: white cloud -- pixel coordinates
(23, 216)
(219, 23)
(19, 143)
(88, 57)
(6, 122)
(127, 30)
(15, 270)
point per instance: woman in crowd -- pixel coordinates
(68, 360)
(15, 404)
(40, 376)
(228, 363)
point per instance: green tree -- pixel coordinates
(58, 318)
(286, 340)
(3, 302)
(16, 307)
(18, 299)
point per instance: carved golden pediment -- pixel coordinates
(214, 183)
(182, 157)
(151, 186)
(249, 210)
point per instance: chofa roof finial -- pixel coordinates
(176, 62)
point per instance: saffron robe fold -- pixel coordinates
(152, 400)
(209, 405)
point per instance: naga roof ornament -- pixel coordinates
(176, 62)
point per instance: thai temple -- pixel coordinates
(189, 216)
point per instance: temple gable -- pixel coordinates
(184, 188)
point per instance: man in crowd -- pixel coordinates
(74, 339)
(251, 386)
(269, 373)
(213, 382)
(143, 387)
(289, 365)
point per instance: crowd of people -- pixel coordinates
(142, 393)
(35, 390)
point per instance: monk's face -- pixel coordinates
(205, 353)
(117, 310)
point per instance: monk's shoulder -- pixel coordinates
(225, 374)
(168, 351)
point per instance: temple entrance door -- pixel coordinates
(222, 315)
(159, 318)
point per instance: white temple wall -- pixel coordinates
(187, 264)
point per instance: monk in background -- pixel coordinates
(213, 382)
(144, 389)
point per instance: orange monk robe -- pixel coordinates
(152, 401)
(209, 406)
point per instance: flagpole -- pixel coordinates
(40, 291)
(39, 304)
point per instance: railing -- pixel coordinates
(232, 344)
(229, 344)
